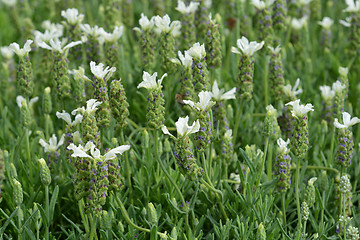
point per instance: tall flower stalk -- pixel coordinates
(167, 32)
(24, 74)
(200, 72)
(203, 110)
(246, 66)
(60, 67)
(188, 21)
(147, 41)
(155, 100)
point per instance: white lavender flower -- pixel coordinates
(91, 107)
(246, 47)
(298, 24)
(21, 52)
(283, 149)
(164, 25)
(338, 87)
(220, 94)
(327, 93)
(149, 81)
(100, 72)
(20, 100)
(326, 22)
(72, 16)
(182, 127)
(262, 4)
(347, 121)
(59, 46)
(81, 151)
(185, 60)
(67, 118)
(299, 111)
(191, 8)
(53, 144)
(115, 35)
(197, 51)
(293, 92)
(352, 6)
(204, 101)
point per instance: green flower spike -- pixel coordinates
(167, 32)
(89, 129)
(286, 120)
(60, 68)
(276, 72)
(345, 138)
(26, 117)
(279, 13)
(260, 233)
(264, 22)
(155, 101)
(94, 181)
(186, 91)
(45, 175)
(53, 150)
(18, 192)
(213, 44)
(328, 96)
(309, 195)
(127, 13)
(94, 36)
(271, 126)
(339, 101)
(219, 112)
(47, 103)
(201, 18)
(24, 75)
(203, 108)
(300, 138)
(8, 72)
(183, 153)
(353, 22)
(326, 34)
(111, 48)
(147, 41)
(72, 30)
(188, 22)
(69, 129)
(282, 165)
(79, 84)
(199, 69)
(112, 11)
(101, 76)
(118, 104)
(343, 189)
(246, 67)
(343, 77)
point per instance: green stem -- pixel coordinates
(283, 207)
(266, 68)
(128, 220)
(19, 222)
(128, 169)
(164, 168)
(237, 121)
(269, 162)
(297, 192)
(28, 144)
(47, 126)
(304, 232)
(344, 214)
(262, 161)
(331, 160)
(47, 211)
